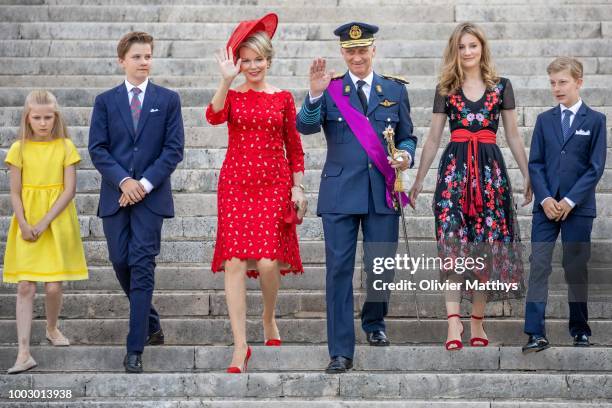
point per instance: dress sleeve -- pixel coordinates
(508, 96)
(72, 156)
(293, 142)
(216, 118)
(13, 157)
(439, 105)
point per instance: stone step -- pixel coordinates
(190, 278)
(407, 67)
(314, 159)
(234, 14)
(187, 402)
(205, 204)
(197, 97)
(412, 13)
(291, 303)
(205, 228)
(216, 137)
(520, 83)
(355, 385)
(194, 116)
(205, 181)
(216, 330)
(297, 358)
(416, 31)
(178, 49)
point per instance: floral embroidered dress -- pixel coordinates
(254, 190)
(474, 211)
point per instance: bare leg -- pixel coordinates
(26, 292)
(235, 296)
(479, 302)
(53, 305)
(269, 279)
(453, 306)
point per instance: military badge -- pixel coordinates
(355, 32)
(386, 103)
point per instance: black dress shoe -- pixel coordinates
(339, 365)
(378, 338)
(535, 344)
(132, 363)
(581, 340)
(155, 339)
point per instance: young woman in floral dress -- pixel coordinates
(473, 206)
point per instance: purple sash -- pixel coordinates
(367, 137)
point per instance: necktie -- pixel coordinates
(565, 123)
(135, 106)
(362, 96)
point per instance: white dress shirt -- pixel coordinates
(143, 89)
(574, 109)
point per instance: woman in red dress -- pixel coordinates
(260, 181)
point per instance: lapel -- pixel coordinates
(557, 124)
(374, 95)
(578, 120)
(123, 102)
(347, 85)
(150, 101)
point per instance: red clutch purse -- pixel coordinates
(291, 215)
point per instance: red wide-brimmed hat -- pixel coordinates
(245, 29)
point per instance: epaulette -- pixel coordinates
(395, 78)
(338, 76)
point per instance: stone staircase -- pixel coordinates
(68, 46)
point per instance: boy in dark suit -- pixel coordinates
(136, 141)
(567, 159)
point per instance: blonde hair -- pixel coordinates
(451, 74)
(41, 97)
(562, 63)
(260, 43)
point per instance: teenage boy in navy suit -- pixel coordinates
(567, 159)
(136, 141)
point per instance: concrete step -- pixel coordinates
(520, 83)
(190, 278)
(307, 403)
(313, 30)
(205, 228)
(197, 97)
(291, 303)
(216, 330)
(287, 66)
(355, 385)
(177, 49)
(194, 116)
(297, 358)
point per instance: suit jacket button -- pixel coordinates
(562, 151)
(131, 169)
(339, 119)
(370, 165)
(135, 149)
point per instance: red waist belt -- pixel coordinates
(472, 195)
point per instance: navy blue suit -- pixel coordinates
(151, 151)
(352, 192)
(561, 168)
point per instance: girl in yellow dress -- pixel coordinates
(44, 240)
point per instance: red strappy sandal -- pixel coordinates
(458, 344)
(478, 341)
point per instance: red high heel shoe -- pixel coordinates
(237, 370)
(457, 343)
(273, 342)
(478, 341)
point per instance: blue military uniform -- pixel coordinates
(352, 193)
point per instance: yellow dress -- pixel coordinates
(57, 255)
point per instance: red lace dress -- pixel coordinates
(254, 190)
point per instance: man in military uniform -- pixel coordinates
(354, 109)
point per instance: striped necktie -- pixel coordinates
(565, 123)
(135, 106)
